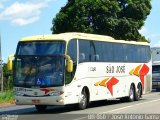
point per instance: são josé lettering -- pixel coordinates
(115, 69)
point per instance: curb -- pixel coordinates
(6, 105)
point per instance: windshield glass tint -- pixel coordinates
(41, 48)
(156, 69)
(42, 71)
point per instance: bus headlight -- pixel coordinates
(19, 94)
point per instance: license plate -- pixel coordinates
(34, 101)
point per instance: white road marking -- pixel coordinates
(120, 108)
(130, 106)
(81, 118)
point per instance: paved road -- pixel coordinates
(149, 104)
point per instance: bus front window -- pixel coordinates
(38, 68)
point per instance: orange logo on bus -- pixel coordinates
(141, 71)
(109, 83)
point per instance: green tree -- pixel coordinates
(8, 78)
(120, 19)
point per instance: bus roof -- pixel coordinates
(75, 35)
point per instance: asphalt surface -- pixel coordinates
(148, 107)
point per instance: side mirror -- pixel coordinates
(10, 63)
(69, 63)
(70, 66)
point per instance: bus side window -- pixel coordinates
(72, 52)
(84, 51)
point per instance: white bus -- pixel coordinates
(77, 68)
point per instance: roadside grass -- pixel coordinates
(7, 97)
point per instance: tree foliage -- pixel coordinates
(120, 19)
(7, 77)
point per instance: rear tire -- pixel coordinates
(138, 92)
(83, 100)
(131, 96)
(41, 108)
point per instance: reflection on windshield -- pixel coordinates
(39, 71)
(41, 48)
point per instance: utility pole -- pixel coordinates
(1, 67)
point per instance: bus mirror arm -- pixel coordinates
(69, 63)
(10, 63)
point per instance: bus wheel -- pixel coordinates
(130, 98)
(138, 92)
(83, 100)
(41, 108)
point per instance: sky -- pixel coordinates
(21, 18)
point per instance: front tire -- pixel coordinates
(41, 108)
(83, 102)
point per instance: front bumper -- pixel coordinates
(50, 100)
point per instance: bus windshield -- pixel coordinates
(38, 71)
(39, 64)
